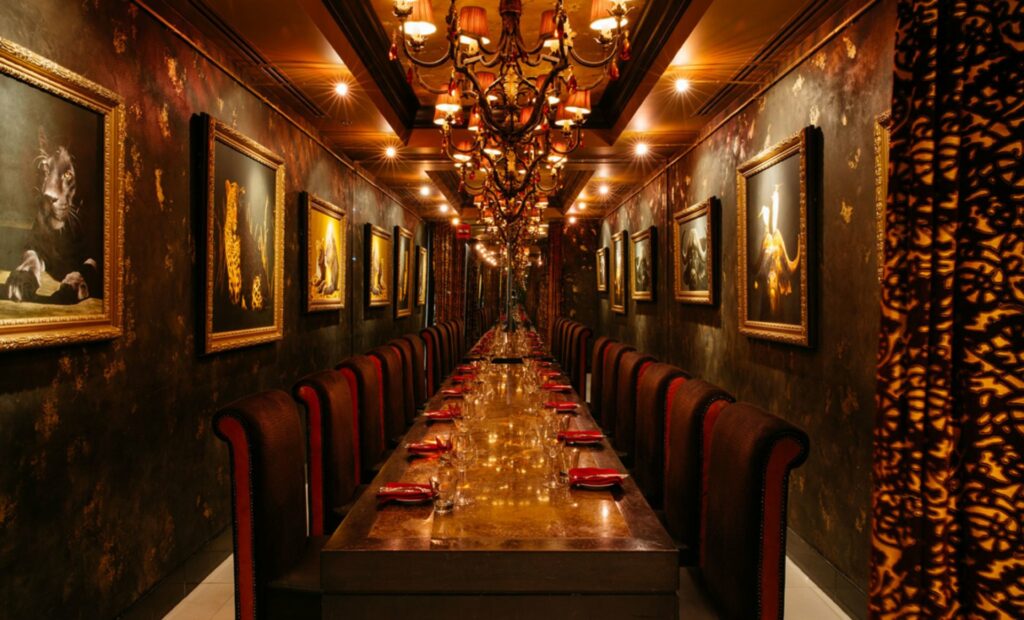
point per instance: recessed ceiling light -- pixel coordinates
(682, 85)
(390, 152)
(603, 190)
(424, 191)
(641, 149)
(443, 208)
(572, 219)
(341, 89)
(456, 221)
(581, 206)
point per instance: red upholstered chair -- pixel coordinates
(390, 361)
(405, 353)
(565, 345)
(444, 348)
(597, 375)
(460, 339)
(694, 407)
(332, 448)
(452, 357)
(419, 368)
(631, 368)
(432, 349)
(580, 349)
(610, 384)
(277, 567)
(742, 570)
(556, 343)
(658, 384)
(365, 378)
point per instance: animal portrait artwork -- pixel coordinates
(602, 270)
(326, 232)
(403, 272)
(60, 216)
(378, 266)
(642, 268)
(421, 275)
(773, 229)
(693, 253)
(245, 220)
(620, 241)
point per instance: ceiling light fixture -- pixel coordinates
(682, 85)
(443, 208)
(641, 149)
(456, 221)
(341, 89)
(424, 191)
(572, 219)
(581, 206)
(390, 152)
(603, 190)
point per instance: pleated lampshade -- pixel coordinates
(579, 102)
(421, 21)
(474, 121)
(564, 118)
(486, 79)
(473, 24)
(462, 152)
(601, 18)
(548, 29)
(449, 104)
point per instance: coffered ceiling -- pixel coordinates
(297, 51)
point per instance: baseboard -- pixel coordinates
(834, 583)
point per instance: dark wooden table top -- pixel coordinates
(517, 534)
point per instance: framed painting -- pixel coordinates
(378, 266)
(326, 231)
(422, 266)
(602, 270)
(244, 241)
(618, 272)
(883, 127)
(62, 207)
(694, 231)
(772, 240)
(405, 258)
(643, 267)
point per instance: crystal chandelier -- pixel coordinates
(519, 107)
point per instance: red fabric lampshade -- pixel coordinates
(421, 21)
(473, 23)
(485, 79)
(548, 29)
(601, 15)
(579, 103)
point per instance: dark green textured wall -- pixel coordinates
(111, 475)
(829, 389)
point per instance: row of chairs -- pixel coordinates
(355, 414)
(717, 472)
(570, 342)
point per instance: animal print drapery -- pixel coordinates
(449, 265)
(948, 503)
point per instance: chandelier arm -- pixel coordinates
(426, 64)
(597, 64)
(427, 87)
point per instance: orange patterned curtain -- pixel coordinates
(948, 501)
(554, 284)
(449, 262)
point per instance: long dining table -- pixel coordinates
(516, 545)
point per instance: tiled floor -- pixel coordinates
(214, 598)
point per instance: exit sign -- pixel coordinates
(462, 232)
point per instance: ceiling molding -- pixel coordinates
(367, 36)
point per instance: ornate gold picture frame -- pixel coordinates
(244, 241)
(378, 266)
(883, 128)
(694, 235)
(62, 213)
(326, 232)
(643, 267)
(602, 270)
(773, 193)
(619, 285)
(405, 258)
(422, 266)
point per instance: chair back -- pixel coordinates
(419, 368)
(395, 413)
(405, 352)
(332, 446)
(631, 368)
(743, 554)
(610, 383)
(597, 375)
(654, 391)
(268, 504)
(365, 377)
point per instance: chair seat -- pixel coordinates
(297, 593)
(694, 603)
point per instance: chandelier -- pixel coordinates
(511, 113)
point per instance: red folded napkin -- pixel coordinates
(466, 368)
(556, 387)
(442, 415)
(549, 373)
(463, 378)
(595, 476)
(581, 436)
(428, 447)
(565, 406)
(405, 491)
(546, 364)
(453, 391)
